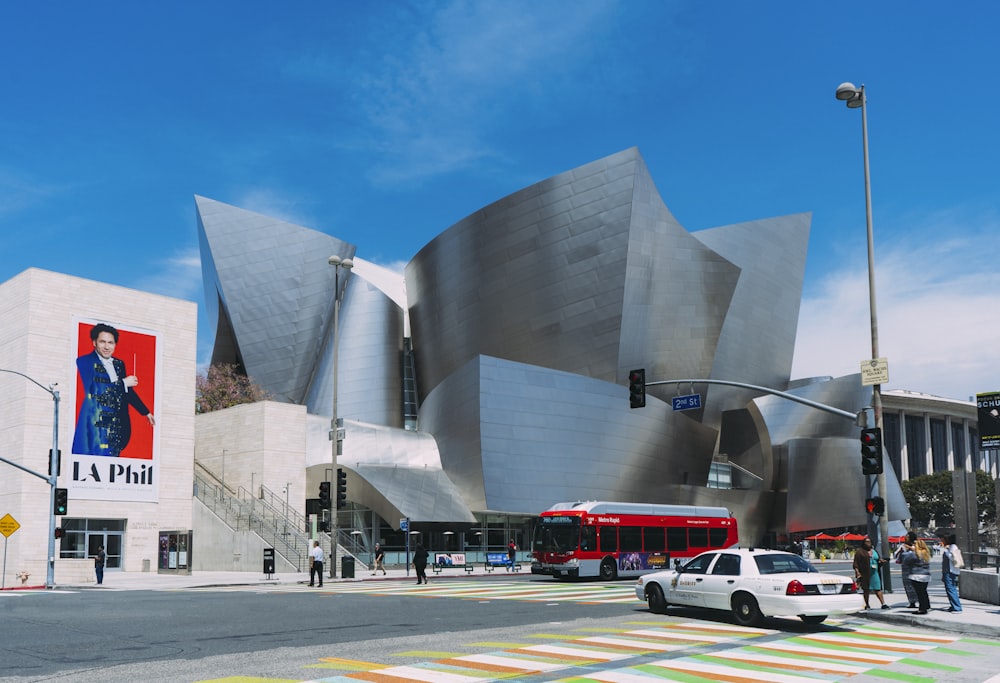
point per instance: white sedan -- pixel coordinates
(751, 583)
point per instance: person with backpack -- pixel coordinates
(951, 568)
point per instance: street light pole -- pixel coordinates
(855, 98)
(337, 264)
(52, 479)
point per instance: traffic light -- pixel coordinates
(871, 451)
(341, 489)
(637, 388)
(875, 506)
(62, 502)
(59, 532)
(324, 495)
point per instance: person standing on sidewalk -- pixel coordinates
(316, 568)
(868, 571)
(951, 567)
(917, 561)
(99, 559)
(907, 544)
(420, 563)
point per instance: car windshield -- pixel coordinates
(782, 564)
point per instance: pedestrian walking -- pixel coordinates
(917, 562)
(379, 560)
(99, 561)
(316, 569)
(951, 568)
(420, 563)
(511, 555)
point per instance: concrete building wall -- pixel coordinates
(39, 312)
(257, 444)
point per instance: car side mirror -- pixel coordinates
(677, 564)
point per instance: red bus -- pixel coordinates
(612, 540)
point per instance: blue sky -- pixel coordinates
(383, 123)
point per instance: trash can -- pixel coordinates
(347, 567)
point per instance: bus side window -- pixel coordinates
(652, 539)
(677, 540)
(630, 538)
(718, 537)
(608, 536)
(588, 538)
(698, 538)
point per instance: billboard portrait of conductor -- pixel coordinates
(103, 426)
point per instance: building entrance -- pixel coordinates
(112, 542)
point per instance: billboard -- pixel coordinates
(988, 407)
(115, 438)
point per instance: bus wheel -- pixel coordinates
(609, 572)
(745, 610)
(654, 598)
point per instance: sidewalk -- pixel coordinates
(976, 618)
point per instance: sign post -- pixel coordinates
(8, 525)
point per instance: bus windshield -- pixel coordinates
(557, 535)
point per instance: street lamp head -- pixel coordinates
(334, 260)
(347, 264)
(852, 96)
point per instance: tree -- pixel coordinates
(225, 386)
(930, 499)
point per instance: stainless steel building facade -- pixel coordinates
(515, 330)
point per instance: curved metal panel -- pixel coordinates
(276, 288)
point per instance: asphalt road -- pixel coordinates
(297, 634)
(50, 634)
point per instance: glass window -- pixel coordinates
(939, 445)
(727, 565)
(718, 537)
(699, 565)
(630, 539)
(588, 538)
(608, 536)
(698, 537)
(652, 538)
(677, 538)
(916, 446)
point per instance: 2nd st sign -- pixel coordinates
(689, 402)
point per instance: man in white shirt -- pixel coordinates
(317, 564)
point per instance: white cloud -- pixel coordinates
(938, 318)
(177, 276)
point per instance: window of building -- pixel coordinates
(891, 441)
(916, 446)
(82, 537)
(958, 443)
(939, 445)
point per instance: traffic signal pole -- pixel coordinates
(52, 479)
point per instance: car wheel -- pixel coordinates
(654, 598)
(745, 610)
(813, 618)
(609, 572)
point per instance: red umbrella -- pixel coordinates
(821, 537)
(851, 537)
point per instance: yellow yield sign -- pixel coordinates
(8, 525)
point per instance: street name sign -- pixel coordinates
(689, 402)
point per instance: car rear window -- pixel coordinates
(782, 564)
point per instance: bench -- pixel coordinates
(495, 560)
(444, 561)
